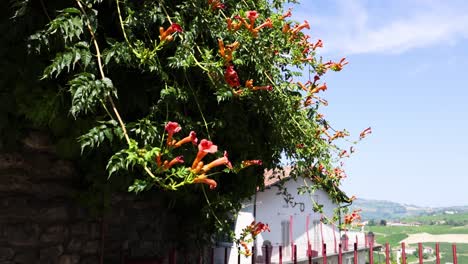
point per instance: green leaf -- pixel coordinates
(98, 134)
(116, 162)
(68, 59)
(139, 186)
(87, 92)
(71, 10)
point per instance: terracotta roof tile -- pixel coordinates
(275, 175)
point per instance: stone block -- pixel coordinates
(69, 259)
(90, 260)
(91, 247)
(55, 234)
(22, 235)
(54, 214)
(11, 160)
(50, 254)
(94, 230)
(6, 253)
(79, 229)
(74, 245)
(26, 257)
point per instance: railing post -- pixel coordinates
(267, 255)
(212, 255)
(355, 253)
(371, 247)
(403, 253)
(454, 252)
(437, 248)
(280, 254)
(225, 255)
(295, 254)
(340, 254)
(344, 242)
(334, 239)
(371, 254)
(172, 257)
(387, 253)
(420, 253)
(324, 253)
(253, 255)
(238, 255)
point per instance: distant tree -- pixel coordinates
(383, 222)
(371, 222)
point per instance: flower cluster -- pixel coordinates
(250, 87)
(248, 22)
(365, 132)
(352, 217)
(166, 35)
(336, 66)
(226, 51)
(216, 4)
(312, 88)
(232, 79)
(247, 163)
(249, 233)
(198, 168)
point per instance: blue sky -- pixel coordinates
(406, 79)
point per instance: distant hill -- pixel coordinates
(381, 209)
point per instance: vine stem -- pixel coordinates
(45, 10)
(101, 70)
(314, 202)
(198, 105)
(292, 117)
(103, 76)
(149, 172)
(209, 205)
(167, 15)
(121, 22)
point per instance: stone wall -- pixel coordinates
(41, 222)
(39, 219)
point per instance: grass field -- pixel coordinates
(394, 234)
(445, 256)
(460, 218)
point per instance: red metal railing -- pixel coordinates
(276, 254)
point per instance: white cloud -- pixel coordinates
(354, 28)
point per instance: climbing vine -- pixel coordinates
(179, 95)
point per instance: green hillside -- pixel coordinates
(376, 209)
(387, 210)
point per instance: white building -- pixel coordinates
(292, 221)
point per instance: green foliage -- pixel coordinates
(394, 234)
(101, 49)
(107, 130)
(19, 7)
(87, 92)
(68, 59)
(67, 26)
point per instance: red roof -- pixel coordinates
(270, 177)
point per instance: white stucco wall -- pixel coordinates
(273, 210)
